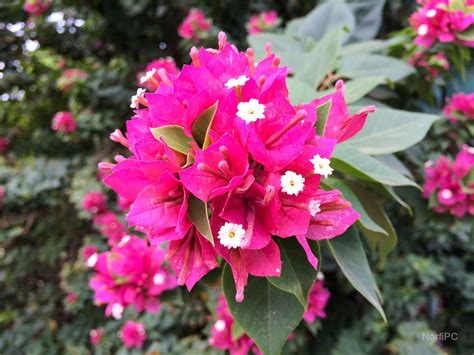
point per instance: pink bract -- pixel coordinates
(460, 107)
(133, 334)
(195, 25)
(94, 202)
(317, 301)
(64, 122)
(256, 137)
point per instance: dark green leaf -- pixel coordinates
(267, 314)
(173, 136)
(297, 274)
(197, 213)
(349, 253)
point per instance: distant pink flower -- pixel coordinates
(2, 195)
(221, 333)
(110, 226)
(124, 204)
(257, 168)
(70, 77)
(71, 298)
(131, 274)
(133, 334)
(95, 336)
(446, 185)
(460, 107)
(440, 21)
(168, 64)
(94, 202)
(36, 7)
(432, 63)
(64, 122)
(195, 25)
(89, 254)
(263, 21)
(317, 301)
(4, 143)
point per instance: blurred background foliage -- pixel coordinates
(427, 282)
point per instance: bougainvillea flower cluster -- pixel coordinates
(94, 202)
(36, 7)
(222, 139)
(443, 21)
(317, 301)
(70, 77)
(195, 26)
(460, 107)
(263, 21)
(63, 122)
(131, 274)
(133, 334)
(434, 64)
(150, 78)
(450, 184)
(95, 336)
(4, 143)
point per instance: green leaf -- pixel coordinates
(321, 60)
(267, 314)
(358, 88)
(362, 166)
(297, 274)
(323, 114)
(467, 35)
(383, 243)
(198, 214)
(173, 136)
(370, 46)
(393, 162)
(299, 91)
(202, 125)
(237, 330)
(365, 220)
(349, 254)
(365, 65)
(388, 131)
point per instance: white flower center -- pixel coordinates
(149, 74)
(240, 81)
(447, 194)
(320, 276)
(92, 260)
(292, 183)
(251, 111)
(124, 241)
(220, 325)
(117, 311)
(431, 13)
(159, 279)
(422, 29)
(314, 207)
(321, 166)
(231, 235)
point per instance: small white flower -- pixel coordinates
(159, 279)
(251, 111)
(428, 163)
(321, 166)
(220, 325)
(446, 194)
(149, 74)
(431, 13)
(231, 235)
(470, 150)
(240, 81)
(92, 260)
(292, 183)
(117, 311)
(314, 207)
(135, 101)
(124, 241)
(422, 29)
(320, 276)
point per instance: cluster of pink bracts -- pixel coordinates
(36, 7)
(258, 168)
(460, 108)
(63, 122)
(442, 21)
(262, 21)
(221, 331)
(432, 63)
(195, 25)
(450, 184)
